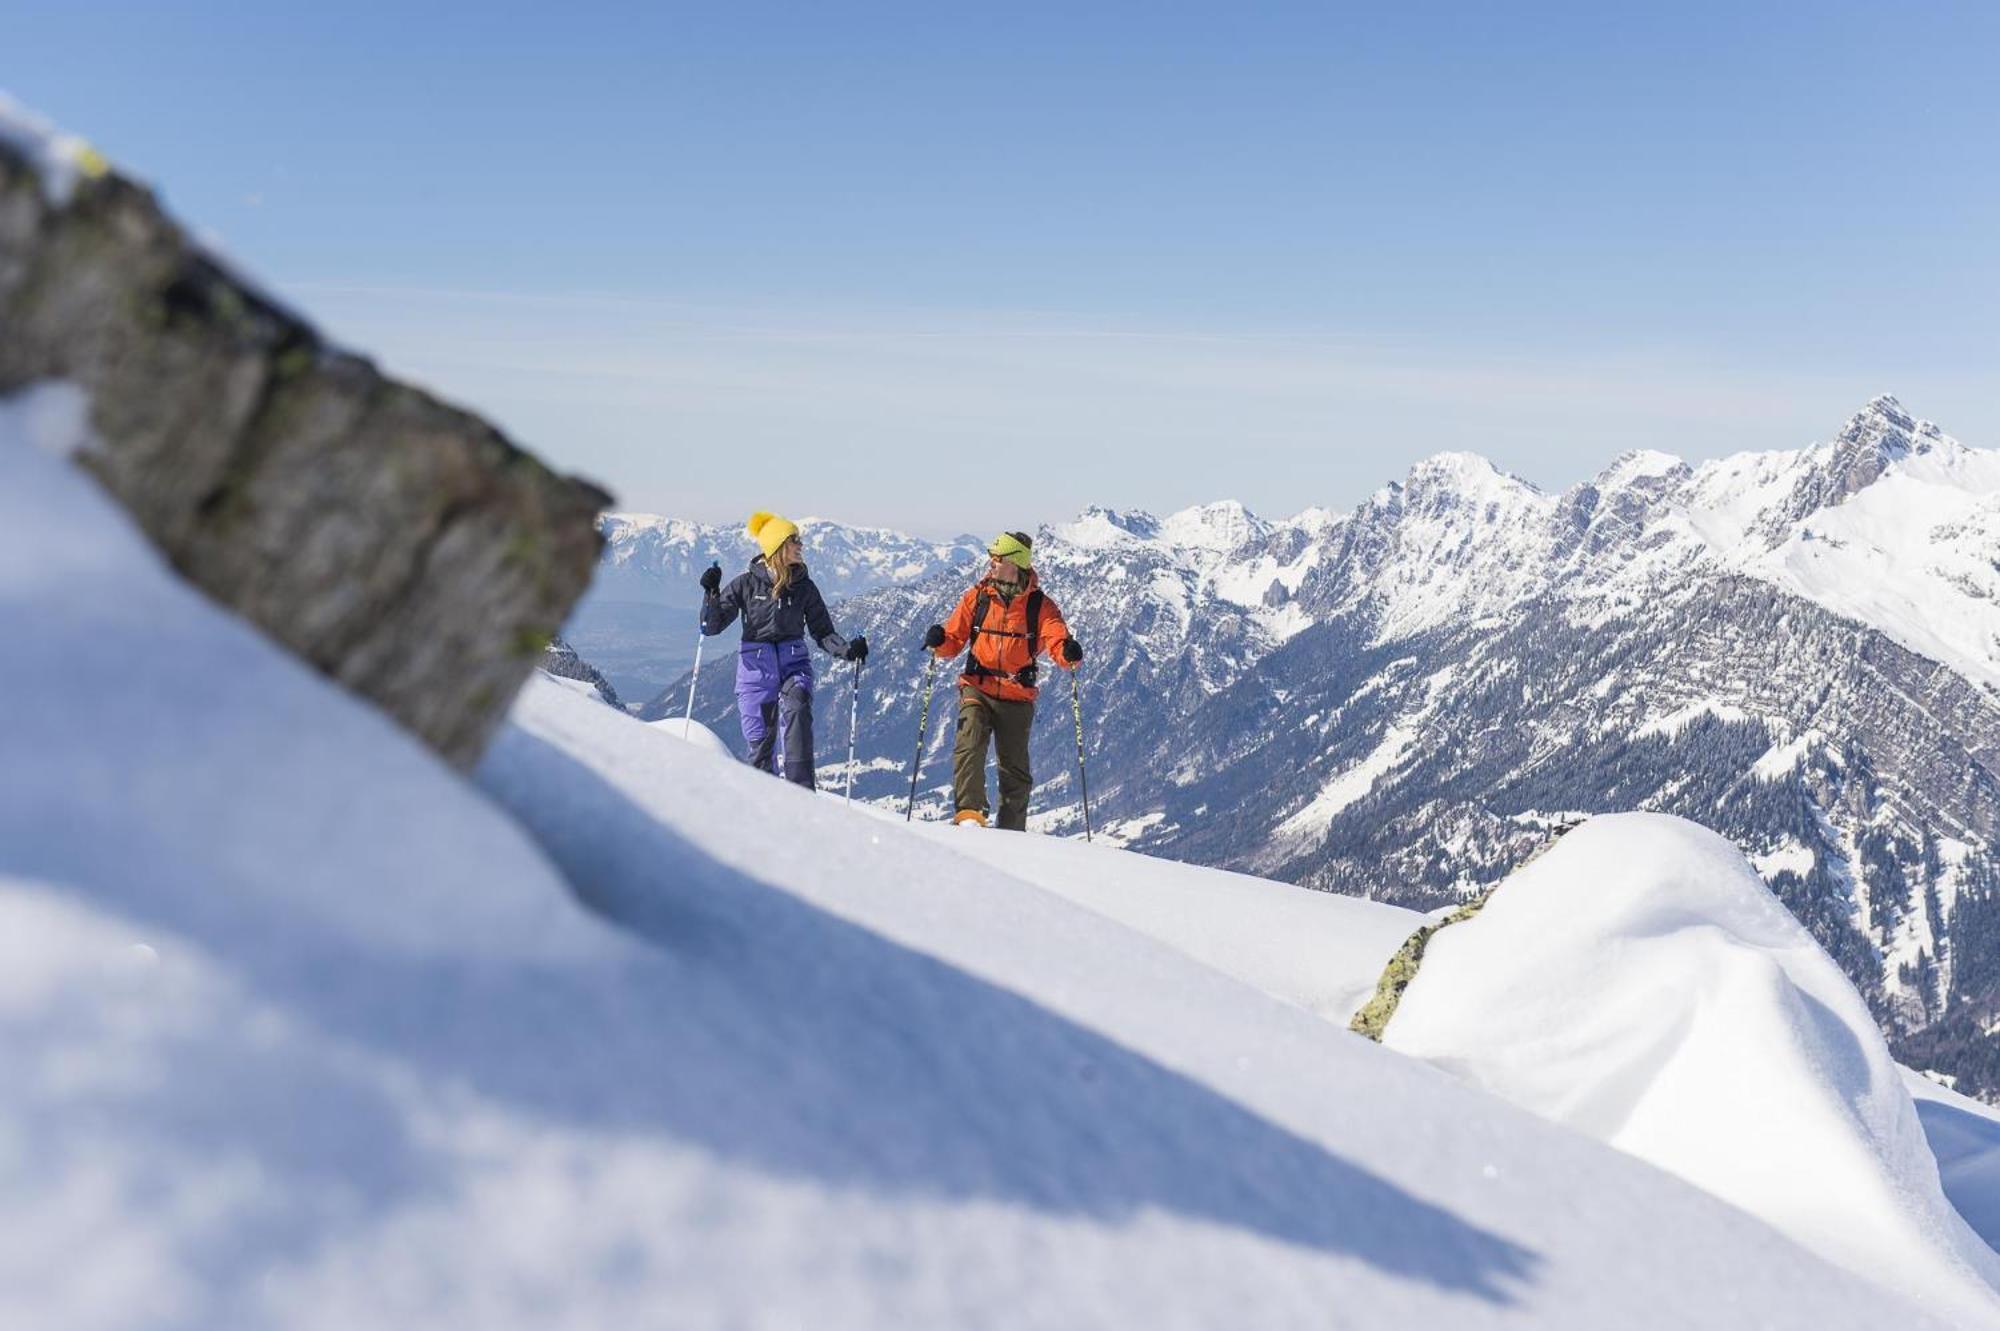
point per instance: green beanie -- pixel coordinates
(1015, 547)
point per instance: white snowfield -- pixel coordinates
(301, 1030)
(1640, 983)
(1319, 951)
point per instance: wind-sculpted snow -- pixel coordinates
(300, 1030)
(1640, 984)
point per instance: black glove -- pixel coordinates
(857, 648)
(1071, 652)
(711, 579)
(934, 636)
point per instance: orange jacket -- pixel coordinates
(1001, 648)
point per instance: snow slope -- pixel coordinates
(301, 1030)
(1171, 1215)
(1964, 1136)
(1640, 984)
(1319, 951)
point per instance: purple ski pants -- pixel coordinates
(774, 686)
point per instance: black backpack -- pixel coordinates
(1025, 677)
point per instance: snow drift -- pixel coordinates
(1640, 984)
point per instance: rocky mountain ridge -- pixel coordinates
(1799, 648)
(638, 621)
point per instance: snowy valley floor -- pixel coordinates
(301, 1029)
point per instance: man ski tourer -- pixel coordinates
(774, 671)
(1002, 624)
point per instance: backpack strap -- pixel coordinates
(1025, 676)
(979, 609)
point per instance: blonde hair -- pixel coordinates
(781, 567)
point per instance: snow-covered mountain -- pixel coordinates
(656, 560)
(1800, 649)
(303, 1029)
(303, 1026)
(561, 660)
(637, 622)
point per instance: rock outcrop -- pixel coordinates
(561, 660)
(402, 546)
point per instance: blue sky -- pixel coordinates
(949, 266)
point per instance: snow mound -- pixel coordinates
(693, 732)
(1640, 984)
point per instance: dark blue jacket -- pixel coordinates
(772, 619)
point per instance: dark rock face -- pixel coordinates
(561, 659)
(402, 546)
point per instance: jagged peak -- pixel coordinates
(1463, 470)
(1639, 464)
(1883, 424)
(1098, 525)
(617, 524)
(1222, 525)
(1224, 509)
(1454, 462)
(864, 531)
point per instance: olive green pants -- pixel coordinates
(1008, 723)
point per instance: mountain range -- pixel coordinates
(638, 622)
(1800, 649)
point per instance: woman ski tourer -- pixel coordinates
(1002, 624)
(774, 672)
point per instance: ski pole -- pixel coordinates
(853, 724)
(1082, 775)
(687, 725)
(923, 724)
(700, 637)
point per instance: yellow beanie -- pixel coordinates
(770, 531)
(1015, 547)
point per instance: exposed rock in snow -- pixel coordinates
(400, 545)
(561, 661)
